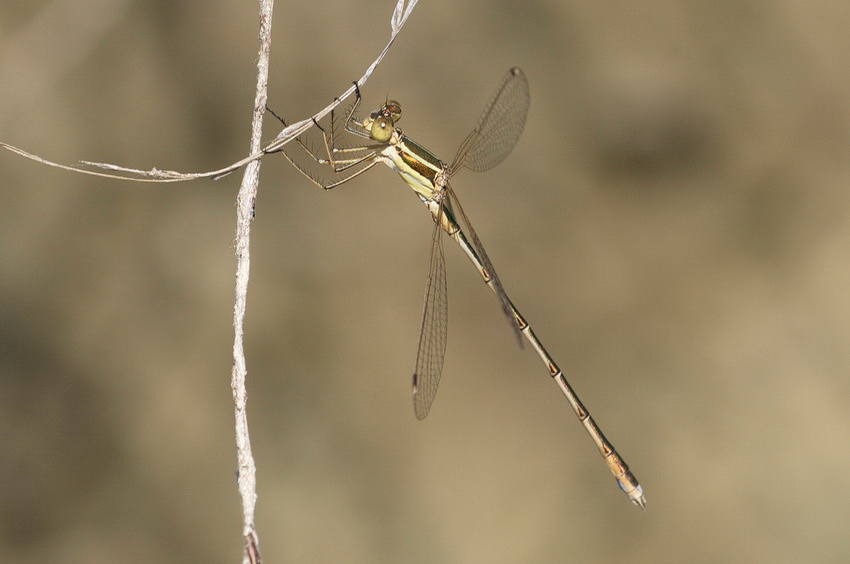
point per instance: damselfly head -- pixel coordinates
(383, 121)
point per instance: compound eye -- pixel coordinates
(382, 129)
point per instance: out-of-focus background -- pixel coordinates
(675, 223)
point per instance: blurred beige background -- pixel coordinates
(675, 223)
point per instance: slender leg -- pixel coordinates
(337, 165)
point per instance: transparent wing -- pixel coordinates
(507, 306)
(432, 337)
(499, 128)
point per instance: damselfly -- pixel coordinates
(487, 145)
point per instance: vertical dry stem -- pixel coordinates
(244, 214)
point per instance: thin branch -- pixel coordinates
(401, 12)
(247, 476)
